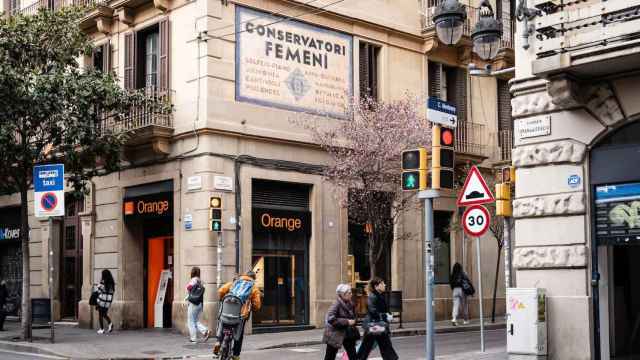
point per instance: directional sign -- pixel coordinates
(48, 183)
(476, 220)
(475, 190)
(442, 112)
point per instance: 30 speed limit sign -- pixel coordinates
(476, 220)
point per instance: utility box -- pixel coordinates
(526, 323)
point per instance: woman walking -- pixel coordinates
(461, 287)
(377, 323)
(195, 299)
(340, 330)
(105, 297)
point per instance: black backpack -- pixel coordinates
(196, 294)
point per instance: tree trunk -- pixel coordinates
(26, 275)
(372, 257)
(495, 286)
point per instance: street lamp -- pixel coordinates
(449, 19)
(487, 33)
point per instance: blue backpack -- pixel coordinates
(242, 289)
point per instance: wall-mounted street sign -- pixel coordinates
(476, 220)
(442, 112)
(48, 183)
(475, 190)
(533, 127)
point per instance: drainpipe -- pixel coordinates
(236, 174)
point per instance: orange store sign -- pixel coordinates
(149, 207)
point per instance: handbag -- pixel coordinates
(351, 333)
(467, 287)
(93, 300)
(377, 328)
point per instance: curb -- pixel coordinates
(11, 346)
(394, 333)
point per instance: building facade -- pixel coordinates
(239, 75)
(576, 152)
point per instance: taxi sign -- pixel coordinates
(48, 183)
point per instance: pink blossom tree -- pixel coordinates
(365, 151)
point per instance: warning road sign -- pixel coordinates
(475, 190)
(48, 183)
(476, 220)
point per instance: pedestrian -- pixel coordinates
(105, 297)
(377, 323)
(340, 328)
(4, 293)
(195, 300)
(461, 287)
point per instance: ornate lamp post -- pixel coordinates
(449, 20)
(487, 33)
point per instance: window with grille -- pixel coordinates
(368, 70)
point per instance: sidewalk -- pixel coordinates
(73, 342)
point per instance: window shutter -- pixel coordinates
(106, 57)
(460, 93)
(504, 106)
(364, 70)
(130, 61)
(435, 79)
(374, 51)
(164, 49)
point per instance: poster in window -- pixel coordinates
(292, 65)
(617, 214)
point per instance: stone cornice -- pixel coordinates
(557, 152)
(550, 205)
(575, 256)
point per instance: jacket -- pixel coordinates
(255, 299)
(4, 293)
(105, 297)
(457, 279)
(377, 309)
(337, 324)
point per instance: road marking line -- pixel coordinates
(27, 354)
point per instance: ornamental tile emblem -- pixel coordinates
(297, 84)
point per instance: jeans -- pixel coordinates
(195, 326)
(459, 301)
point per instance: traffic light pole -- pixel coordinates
(428, 196)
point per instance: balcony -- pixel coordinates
(148, 129)
(586, 39)
(505, 56)
(471, 141)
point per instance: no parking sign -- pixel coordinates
(48, 183)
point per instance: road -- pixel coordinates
(455, 346)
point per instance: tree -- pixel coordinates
(53, 110)
(496, 226)
(365, 152)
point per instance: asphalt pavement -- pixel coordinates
(451, 346)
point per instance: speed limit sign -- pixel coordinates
(476, 220)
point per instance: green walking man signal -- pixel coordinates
(415, 169)
(215, 214)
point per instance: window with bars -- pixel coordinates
(368, 70)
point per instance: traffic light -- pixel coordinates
(508, 174)
(415, 169)
(503, 194)
(215, 213)
(443, 157)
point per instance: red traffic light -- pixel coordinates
(447, 137)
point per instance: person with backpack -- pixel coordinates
(104, 299)
(249, 295)
(461, 287)
(195, 300)
(340, 328)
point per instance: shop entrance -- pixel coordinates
(626, 303)
(158, 257)
(71, 258)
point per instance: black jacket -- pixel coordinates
(376, 310)
(4, 293)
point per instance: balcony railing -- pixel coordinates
(145, 113)
(471, 139)
(31, 7)
(428, 8)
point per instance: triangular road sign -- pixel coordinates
(475, 190)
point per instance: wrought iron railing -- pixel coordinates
(471, 139)
(428, 8)
(505, 145)
(154, 109)
(31, 7)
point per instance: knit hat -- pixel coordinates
(343, 289)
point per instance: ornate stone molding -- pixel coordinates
(550, 257)
(566, 151)
(550, 205)
(532, 104)
(602, 102)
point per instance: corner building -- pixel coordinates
(241, 75)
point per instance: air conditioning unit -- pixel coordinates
(527, 322)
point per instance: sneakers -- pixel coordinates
(216, 349)
(110, 329)
(466, 322)
(101, 331)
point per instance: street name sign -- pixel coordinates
(48, 183)
(475, 190)
(442, 112)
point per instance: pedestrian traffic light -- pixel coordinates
(503, 200)
(215, 214)
(508, 174)
(443, 157)
(415, 169)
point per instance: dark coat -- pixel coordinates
(377, 309)
(4, 293)
(337, 324)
